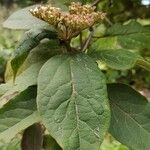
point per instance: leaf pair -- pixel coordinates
(130, 117)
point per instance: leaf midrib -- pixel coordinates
(127, 114)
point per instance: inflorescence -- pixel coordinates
(69, 24)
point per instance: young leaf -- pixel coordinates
(72, 100)
(18, 114)
(23, 19)
(119, 59)
(130, 121)
(31, 39)
(50, 144)
(33, 138)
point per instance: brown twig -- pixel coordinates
(88, 41)
(108, 21)
(96, 2)
(67, 44)
(81, 40)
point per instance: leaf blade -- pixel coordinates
(119, 59)
(18, 114)
(68, 120)
(29, 41)
(130, 116)
(23, 20)
(130, 36)
(28, 73)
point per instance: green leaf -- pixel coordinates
(50, 144)
(119, 59)
(30, 40)
(33, 137)
(105, 43)
(28, 73)
(13, 145)
(23, 19)
(72, 100)
(4, 88)
(131, 36)
(130, 121)
(18, 114)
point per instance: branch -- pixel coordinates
(67, 44)
(144, 64)
(108, 21)
(88, 41)
(81, 40)
(96, 2)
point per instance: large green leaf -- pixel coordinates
(18, 114)
(132, 35)
(120, 59)
(72, 100)
(130, 121)
(29, 71)
(33, 137)
(29, 41)
(23, 19)
(129, 36)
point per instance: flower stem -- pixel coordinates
(144, 64)
(88, 41)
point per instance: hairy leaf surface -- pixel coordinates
(72, 100)
(130, 121)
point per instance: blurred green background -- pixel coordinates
(117, 11)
